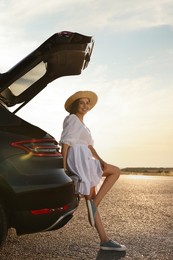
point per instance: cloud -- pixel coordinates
(28, 23)
(82, 15)
(136, 15)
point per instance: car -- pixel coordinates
(36, 194)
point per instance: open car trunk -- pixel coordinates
(62, 54)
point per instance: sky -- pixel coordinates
(130, 70)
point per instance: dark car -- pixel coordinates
(35, 193)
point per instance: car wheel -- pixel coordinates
(3, 224)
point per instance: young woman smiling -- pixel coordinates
(80, 157)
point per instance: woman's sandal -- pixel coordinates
(112, 246)
(91, 212)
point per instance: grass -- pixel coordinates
(148, 171)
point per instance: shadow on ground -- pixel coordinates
(110, 255)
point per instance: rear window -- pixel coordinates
(28, 79)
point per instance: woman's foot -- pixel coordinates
(91, 212)
(112, 246)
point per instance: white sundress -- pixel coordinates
(79, 158)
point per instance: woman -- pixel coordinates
(80, 157)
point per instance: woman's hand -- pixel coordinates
(104, 165)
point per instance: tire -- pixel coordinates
(3, 225)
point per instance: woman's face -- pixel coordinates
(83, 106)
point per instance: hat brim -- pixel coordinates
(81, 94)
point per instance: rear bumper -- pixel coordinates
(36, 183)
(45, 197)
(27, 221)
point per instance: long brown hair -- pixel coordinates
(74, 107)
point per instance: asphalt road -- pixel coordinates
(137, 212)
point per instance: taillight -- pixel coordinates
(49, 211)
(39, 147)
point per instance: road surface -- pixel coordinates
(137, 212)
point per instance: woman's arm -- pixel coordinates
(96, 156)
(64, 154)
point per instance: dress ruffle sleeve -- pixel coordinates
(71, 130)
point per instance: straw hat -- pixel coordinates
(81, 94)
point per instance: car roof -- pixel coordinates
(63, 54)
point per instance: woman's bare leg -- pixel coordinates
(111, 174)
(100, 228)
(98, 223)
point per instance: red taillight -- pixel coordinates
(49, 211)
(39, 147)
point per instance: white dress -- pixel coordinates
(79, 159)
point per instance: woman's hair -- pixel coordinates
(74, 106)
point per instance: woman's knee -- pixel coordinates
(116, 171)
(112, 170)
